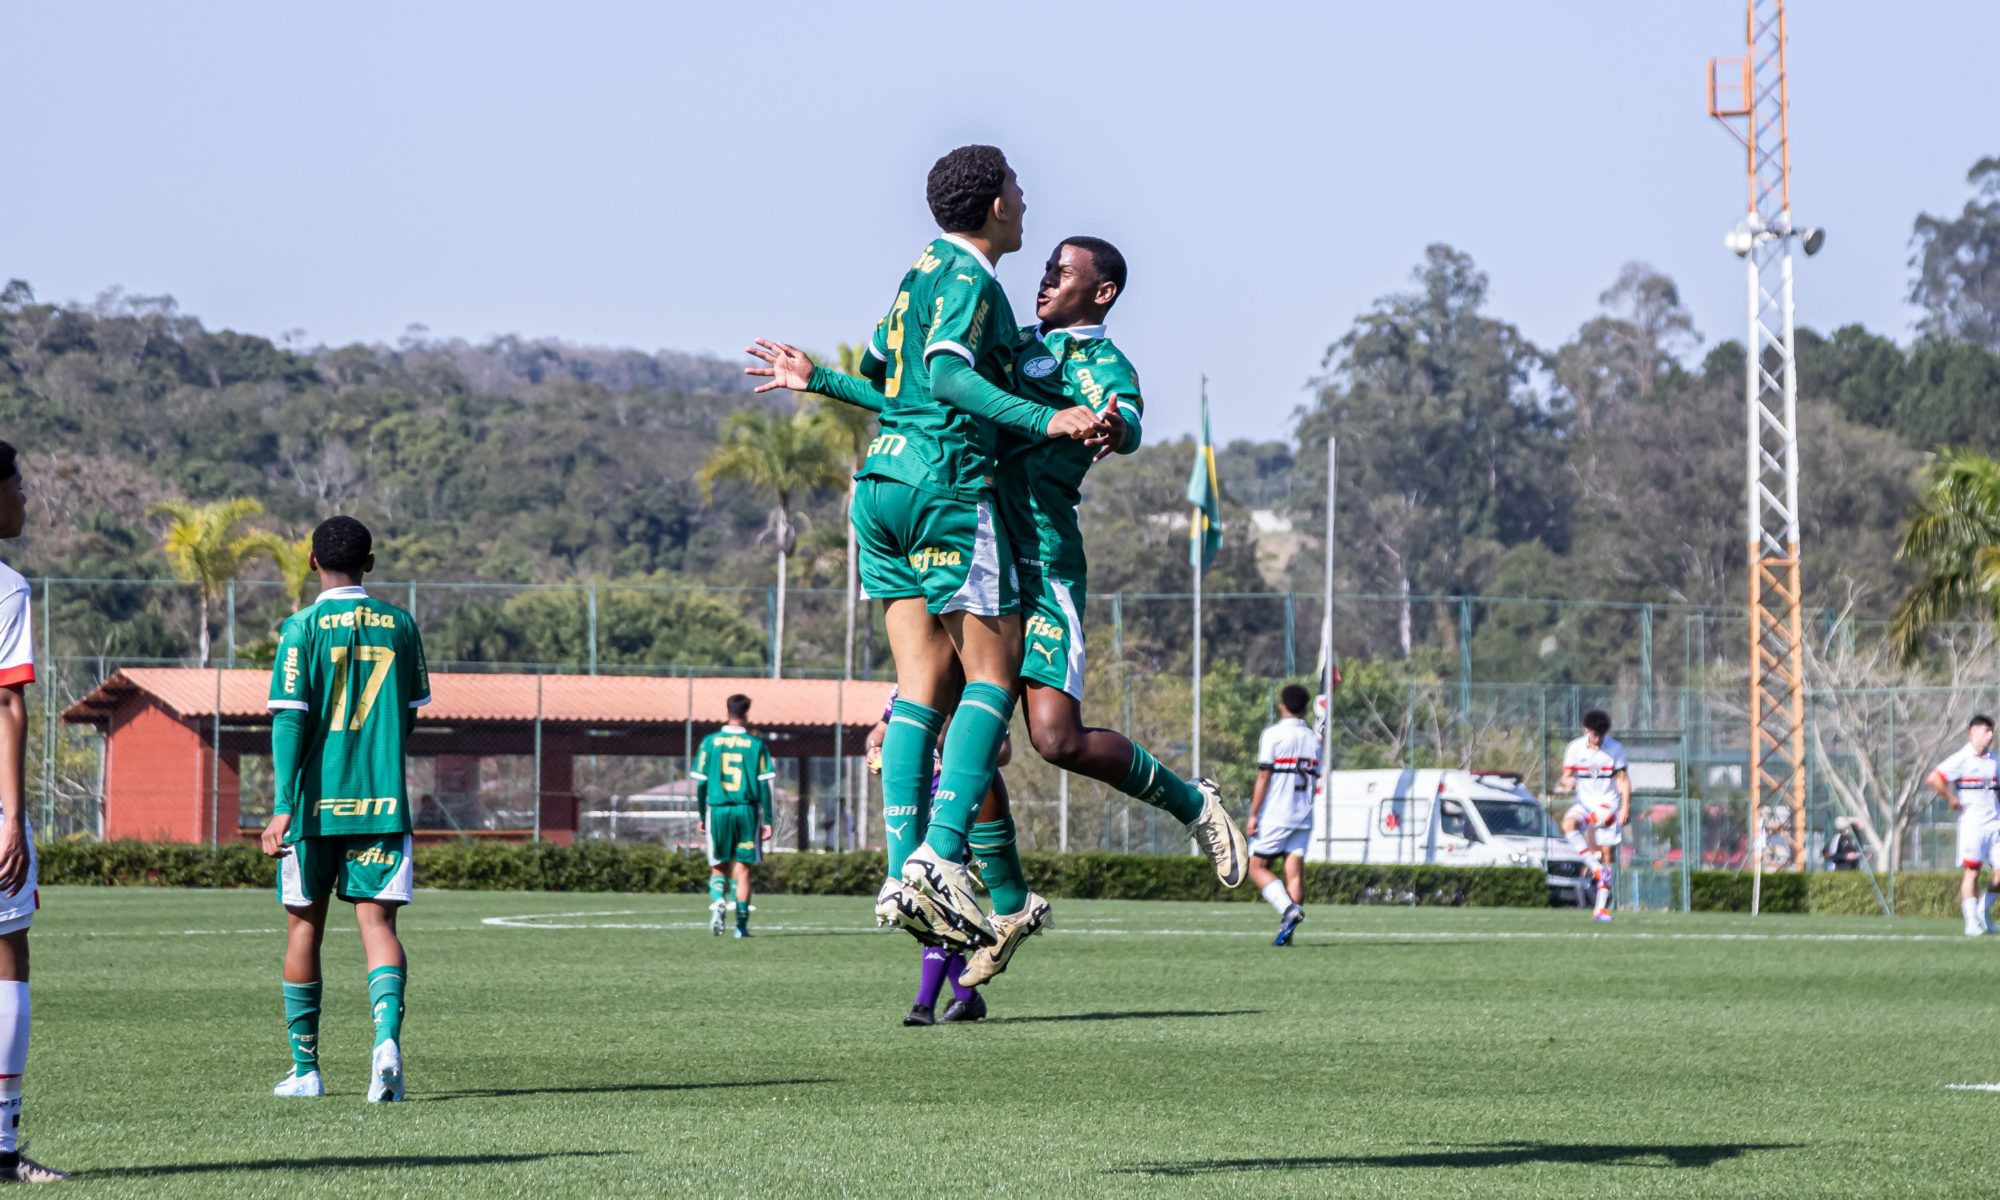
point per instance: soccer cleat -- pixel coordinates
(17, 1167)
(948, 887)
(919, 1014)
(716, 909)
(904, 908)
(309, 1084)
(965, 1010)
(1974, 929)
(1218, 836)
(741, 933)
(983, 964)
(1602, 914)
(1287, 924)
(386, 1082)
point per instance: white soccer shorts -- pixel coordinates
(1274, 843)
(1978, 841)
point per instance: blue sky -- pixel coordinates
(690, 176)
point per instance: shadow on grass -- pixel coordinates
(338, 1162)
(1154, 1015)
(598, 1089)
(1497, 1154)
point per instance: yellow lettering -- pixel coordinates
(1040, 626)
(935, 556)
(927, 262)
(893, 385)
(366, 806)
(890, 444)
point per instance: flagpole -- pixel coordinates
(1195, 547)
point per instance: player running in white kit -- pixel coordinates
(1281, 810)
(1594, 768)
(1968, 781)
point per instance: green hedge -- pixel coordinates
(621, 867)
(1828, 893)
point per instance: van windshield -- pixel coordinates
(1509, 818)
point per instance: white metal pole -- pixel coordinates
(1326, 668)
(1754, 443)
(1196, 567)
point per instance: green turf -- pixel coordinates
(1156, 1050)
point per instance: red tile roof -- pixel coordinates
(565, 699)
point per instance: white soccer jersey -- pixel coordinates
(1289, 750)
(17, 630)
(1974, 777)
(1594, 771)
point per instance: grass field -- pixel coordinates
(572, 1045)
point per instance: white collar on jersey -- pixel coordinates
(351, 592)
(734, 728)
(969, 248)
(1082, 333)
(1288, 719)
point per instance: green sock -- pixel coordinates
(385, 997)
(908, 764)
(302, 1025)
(742, 914)
(1147, 780)
(714, 888)
(1000, 865)
(970, 751)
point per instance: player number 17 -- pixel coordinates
(379, 659)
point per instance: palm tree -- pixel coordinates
(782, 456)
(1954, 538)
(851, 429)
(206, 546)
(293, 560)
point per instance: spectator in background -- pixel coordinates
(1843, 848)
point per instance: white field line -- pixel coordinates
(570, 920)
(1973, 1087)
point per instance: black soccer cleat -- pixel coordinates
(965, 1010)
(919, 1014)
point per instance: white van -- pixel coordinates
(1489, 820)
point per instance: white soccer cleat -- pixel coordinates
(948, 888)
(900, 907)
(716, 909)
(385, 1081)
(308, 1084)
(1974, 929)
(1217, 835)
(989, 961)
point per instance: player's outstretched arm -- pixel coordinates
(954, 382)
(787, 366)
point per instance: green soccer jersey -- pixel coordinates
(948, 303)
(733, 767)
(1041, 483)
(354, 666)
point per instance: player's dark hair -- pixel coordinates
(8, 467)
(1597, 721)
(963, 186)
(1104, 256)
(1295, 699)
(739, 707)
(1981, 719)
(342, 544)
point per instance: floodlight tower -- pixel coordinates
(1748, 97)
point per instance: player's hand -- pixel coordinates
(763, 833)
(273, 841)
(701, 827)
(1111, 434)
(1250, 827)
(13, 854)
(1076, 423)
(785, 366)
(874, 760)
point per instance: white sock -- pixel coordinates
(1276, 896)
(1971, 908)
(14, 1011)
(1575, 839)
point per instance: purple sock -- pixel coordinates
(931, 981)
(953, 967)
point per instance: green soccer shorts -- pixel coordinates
(358, 866)
(953, 553)
(732, 834)
(1052, 625)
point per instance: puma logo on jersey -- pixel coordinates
(935, 556)
(897, 830)
(1048, 653)
(969, 279)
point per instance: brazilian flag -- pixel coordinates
(1204, 493)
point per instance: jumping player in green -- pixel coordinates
(732, 778)
(931, 545)
(1066, 360)
(349, 678)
